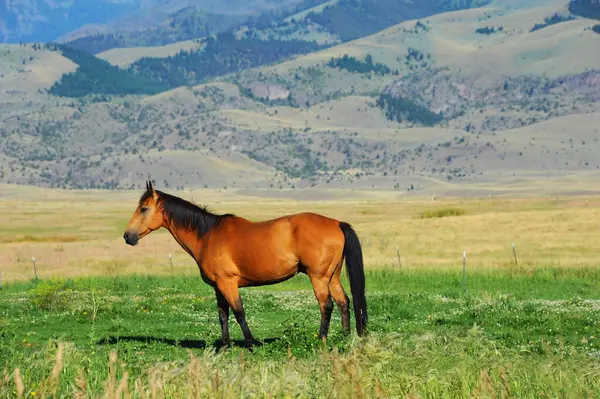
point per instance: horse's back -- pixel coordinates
(285, 228)
(302, 225)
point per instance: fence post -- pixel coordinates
(171, 264)
(515, 253)
(34, 268)
(398, 253)
(464, 279)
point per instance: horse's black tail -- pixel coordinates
(356, 274)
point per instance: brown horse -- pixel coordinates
(233, 252)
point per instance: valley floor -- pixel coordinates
(79, 233)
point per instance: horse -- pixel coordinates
(232, 252)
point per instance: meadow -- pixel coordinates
(107, 320)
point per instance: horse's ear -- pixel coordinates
(149, 185)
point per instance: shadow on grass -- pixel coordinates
(183, 343)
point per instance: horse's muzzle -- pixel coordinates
(130, 238)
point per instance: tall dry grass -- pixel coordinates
(374, 368)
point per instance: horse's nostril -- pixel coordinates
(125, 237)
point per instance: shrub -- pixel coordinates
(489, 30)
(351, 64)
(49, 295)
(555, 19)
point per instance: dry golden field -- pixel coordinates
(79, 233)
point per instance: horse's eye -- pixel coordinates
(144, 209)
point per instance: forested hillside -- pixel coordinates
(220, 55)
(99, 77)
(244, 46)
(585, 8)
(350, 19)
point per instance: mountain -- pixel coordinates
(465, 98)
(185, 24)
(44, 21)
(40, 21)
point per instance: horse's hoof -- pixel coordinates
(223, 345)
(251, 344)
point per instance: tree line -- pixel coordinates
(351, 64)
(401, 109)
(585, 8)
(553, 20)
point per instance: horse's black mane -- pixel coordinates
(185, 214)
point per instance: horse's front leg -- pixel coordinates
(229, 289)
(223, 308)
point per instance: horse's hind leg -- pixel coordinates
(321, 288)
(339, 296)
(229, 289)
(223, 308)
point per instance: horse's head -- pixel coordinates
(148, 216)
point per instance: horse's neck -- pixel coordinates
(188, 240)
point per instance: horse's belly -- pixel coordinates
(268, 273)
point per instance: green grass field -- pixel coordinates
(514, 333)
